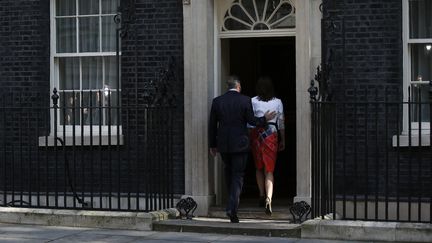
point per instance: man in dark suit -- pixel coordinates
(230, 113)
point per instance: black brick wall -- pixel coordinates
(24, 47)
(366, 44)
(154, 40)
(364, 38)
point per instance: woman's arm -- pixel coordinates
(282, 140)
(281, 125)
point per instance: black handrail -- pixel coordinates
(75, 194)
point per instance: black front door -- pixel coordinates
(251, 58)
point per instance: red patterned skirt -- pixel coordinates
(264, 148)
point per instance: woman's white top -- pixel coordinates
(261, 107)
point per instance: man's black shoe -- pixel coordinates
(233, 218)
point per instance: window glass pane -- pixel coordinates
(88, 7)
(110, 114)
(91, 72)
(421, 62)
(67, 115)
(232, 24)
(91, 112)
(110, 72)
(283, 17)
(110, 6)
(108, 33)
(260, 8)
(420, 109)
(238, 12)
(250, 8)
(66, 35)
(65, 7)
(237, 19)
(69, 76)
(420, 12)
(89, 34)
(288, 22)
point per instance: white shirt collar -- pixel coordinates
(233, 90)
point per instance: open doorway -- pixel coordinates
(249, 59)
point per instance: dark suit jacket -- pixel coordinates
(229, 116)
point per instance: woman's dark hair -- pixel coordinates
(264, 89)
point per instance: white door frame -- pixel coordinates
(202, 68)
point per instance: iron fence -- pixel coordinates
(372, 160)
(98, 155)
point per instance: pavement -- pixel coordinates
(32, 233)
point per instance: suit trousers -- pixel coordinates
(235, 166)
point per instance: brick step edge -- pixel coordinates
(85, 218)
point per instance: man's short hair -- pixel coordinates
(232, 82)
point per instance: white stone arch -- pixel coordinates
(277, 15)
(253, 15)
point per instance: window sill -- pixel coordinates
(48, 141)
(404, 140)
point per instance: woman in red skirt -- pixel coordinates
(265, 144)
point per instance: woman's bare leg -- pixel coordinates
(260, 181)
(269, 184)
(269, 192)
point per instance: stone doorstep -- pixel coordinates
(367, 231)
(253, 213)
(272, 228)
(85, 218)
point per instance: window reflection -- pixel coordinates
(89, 108)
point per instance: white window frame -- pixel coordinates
(54, 81)
(407, 41)
(409, 138)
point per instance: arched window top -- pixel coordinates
(259, 15)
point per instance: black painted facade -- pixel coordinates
(154, 40)
(366, 46)
(363, 42)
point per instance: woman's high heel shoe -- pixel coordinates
(268, 208)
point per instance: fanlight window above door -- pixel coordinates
(259, 15)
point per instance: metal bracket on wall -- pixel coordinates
(125, 17)
(300, 209)
(187, 205)
(323, 92)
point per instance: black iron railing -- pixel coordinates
(372, 158)
(98, 156)
(109, 149)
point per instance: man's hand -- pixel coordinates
(281, 145)
(213, 151)
(270, 115)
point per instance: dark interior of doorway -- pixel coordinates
(251, 58)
